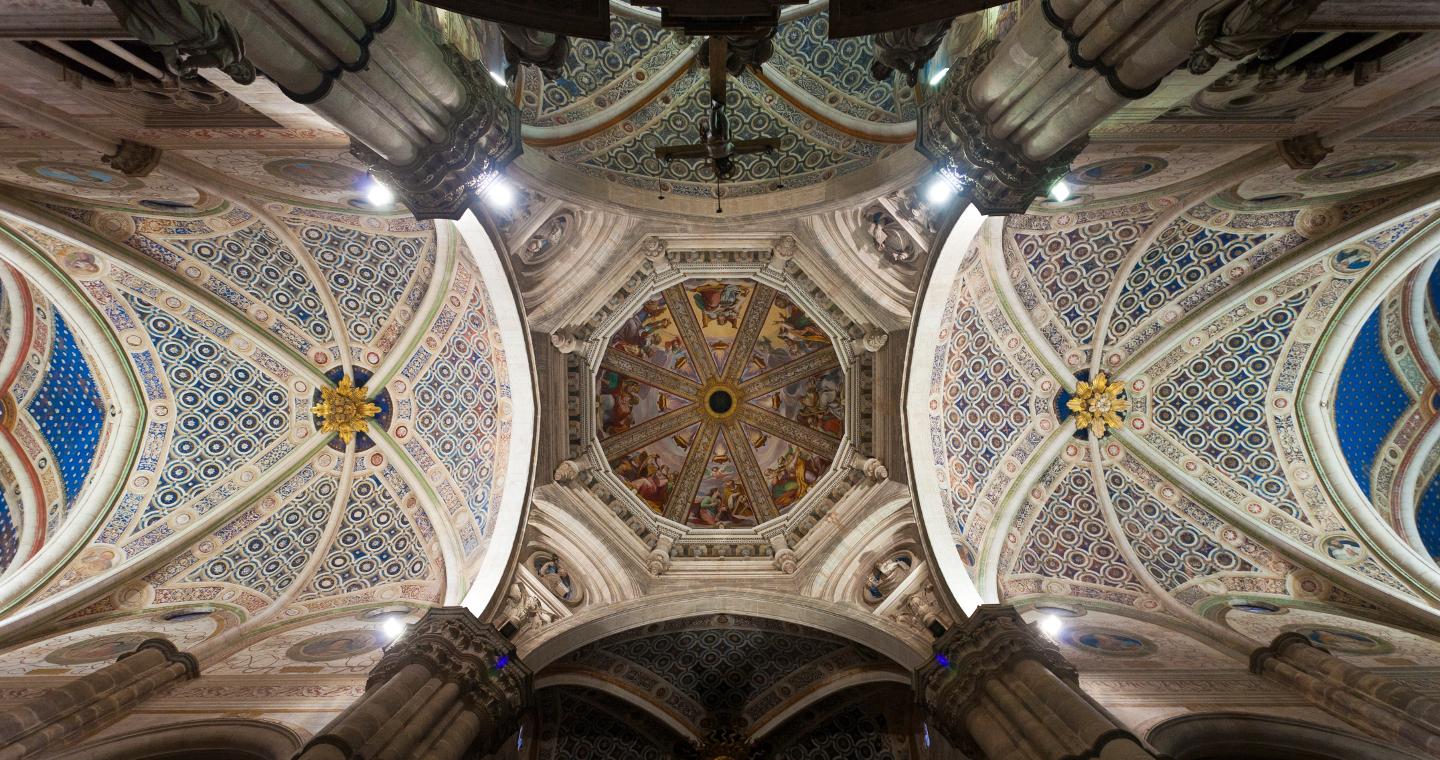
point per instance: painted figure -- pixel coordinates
(719, 302)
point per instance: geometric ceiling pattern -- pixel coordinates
(615, 101)
(720, 402)
(223, 325)
(697, 674)
(1215, 313)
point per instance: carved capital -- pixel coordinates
(188, 35)
(997, 176)
(1303, 151)
(566, 342)
(1277, 649)
(133, 159)
(171, 654)
(986, 644)
(482, 139)
(659, 559)
(569, 470)
(454, 645)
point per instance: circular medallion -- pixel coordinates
(100, 648)
(1343, 640)
(1109, 643)
(79, 175)
(322, 174)
(1116, 170)
(339, 645)
(1356, 168)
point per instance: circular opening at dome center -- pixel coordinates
(720, 402)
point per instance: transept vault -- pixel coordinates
(787, 380)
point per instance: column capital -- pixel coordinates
(481, 140)
(996, 174)
(168, 650)
(991, 640)
(1276, 648)
(452, 644)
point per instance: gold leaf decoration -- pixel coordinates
(1098, 404)
(344, 410)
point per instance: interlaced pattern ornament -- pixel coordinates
(269, 557)
(854, 733)
(226, 411)
(367, 273)
(376, 544)
(837, 71)
(459, 398)
(984, 408)
(254, 258)
(1074, 268)
(1184, 254)
(573, 724)
(1215, 404)
(1173, 550)
(720, 668)
(1070, 539)
(595, 69)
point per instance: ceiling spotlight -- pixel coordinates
(940, 190)
(499, 79)
(1051, 625)
(378, 195)
(393, 627)
(1060, 192)
(939, 76)
(500, 195)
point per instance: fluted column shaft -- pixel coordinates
(1001, 691)
(27, 729)
(429, 124)
(1375, 703)
(448, 689)
(1008, 123)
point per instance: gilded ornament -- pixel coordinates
(1098, 404)
(344, 409)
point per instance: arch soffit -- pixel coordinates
(840, 620)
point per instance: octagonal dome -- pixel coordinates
(720, 402)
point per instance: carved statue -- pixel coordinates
(888, 237)
(189, 36)
(1237, 28)
(906, 50)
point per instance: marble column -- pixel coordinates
(449, 688)
(28, 729)
(998, 689)
(1374, 703)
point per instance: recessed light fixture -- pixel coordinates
(393, 627)
(939, 76)
(940, 190)
(1060, 192)
(1051, 625)
(500, 195)
(378, 195)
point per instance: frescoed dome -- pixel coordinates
(720, 402)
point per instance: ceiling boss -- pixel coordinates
(1098, 404)
(344, 409)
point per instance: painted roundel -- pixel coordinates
(1115, 170)
(720, 402)
(1104, 641)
